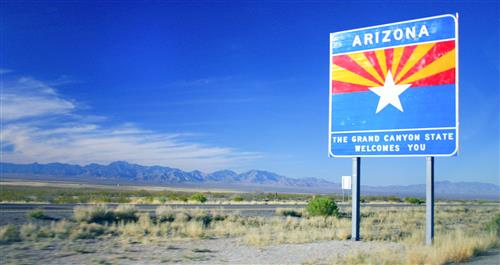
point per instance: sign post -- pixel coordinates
(356, 174)
(394, 93)
(429, 201)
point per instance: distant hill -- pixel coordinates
(442, 189)
(123, 172)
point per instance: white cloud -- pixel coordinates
(34, 133)
(27, 98)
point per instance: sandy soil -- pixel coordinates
(209, 251)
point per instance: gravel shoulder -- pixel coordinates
(208, 251)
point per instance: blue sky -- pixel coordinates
(218, 85)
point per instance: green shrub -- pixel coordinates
(494, 225)
(414, 200)
(238, 198)
(9, 234)
(288, 212)
(199, 197)
(322, 206)
(37, 214)
(205, 219)
(162, 199)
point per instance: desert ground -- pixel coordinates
(236, 229)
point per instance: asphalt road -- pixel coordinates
(492, 257)
(244, 207)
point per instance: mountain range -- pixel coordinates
(123, 172)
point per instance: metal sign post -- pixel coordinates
(429, 201)
(356, 173)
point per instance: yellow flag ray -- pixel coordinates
(344, 75)
(381, 61)
(419, 52)
(442, 64)
(361, 59)
(396, 57)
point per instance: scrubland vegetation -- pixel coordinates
(99, 195)
(51, 194)
(461, 231)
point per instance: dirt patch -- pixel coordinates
(208, 251)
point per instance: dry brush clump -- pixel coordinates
(9, 234)
(63, 229)
(93, 214)
(171, 224)
(289, 212)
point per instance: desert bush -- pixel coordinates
(29, 231)
(494, 225)
(414, 200)
(88, 231)
(62, 229)
(165, 214)
(198, 197)
(9, 234)
(205, 219)
(199, 215)
(93, 214)
(238, 198)
(162, 199)
(144, 227)
(194, 229)
(218, 215)
(288, 212)
(125, 213)
(37, 214)
(322, 206)
(182, 217)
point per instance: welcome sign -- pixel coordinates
(394, 89)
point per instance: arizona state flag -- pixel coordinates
(394, 89)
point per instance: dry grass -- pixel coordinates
(93, 214)
(460, 231)
(9, 234)
(455, 246)
(277, 230)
